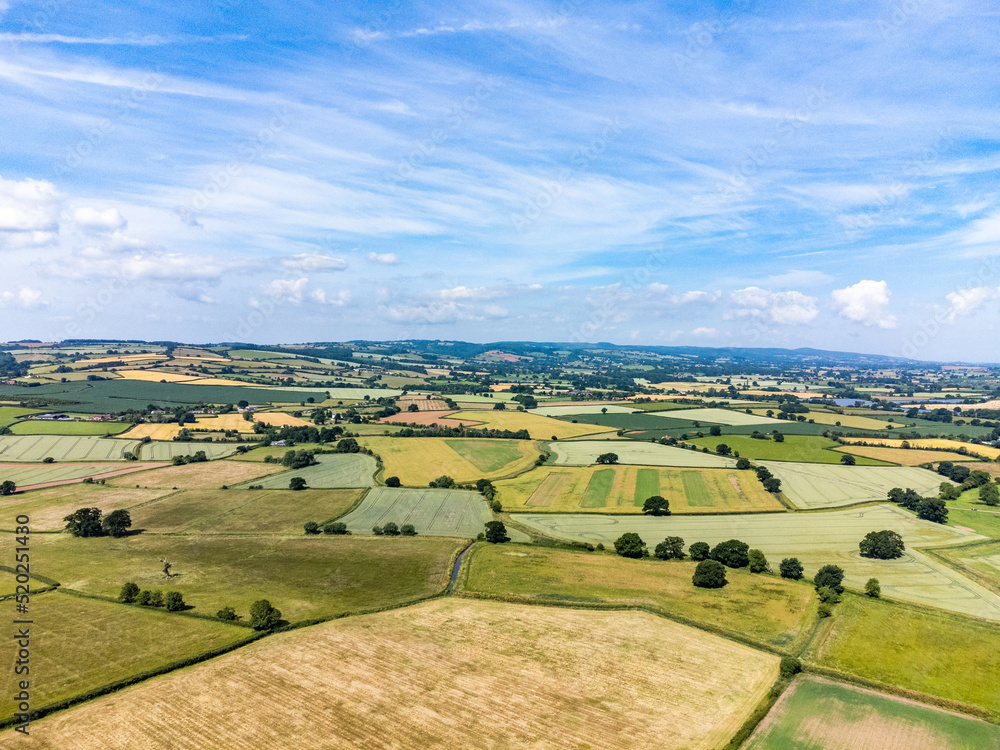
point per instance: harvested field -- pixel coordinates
(153, 376)
(153, 431)
(827, 715)
(88, 643)
(903, 456)
(280, 419)
(539, 427)
(62, 427)
(160, 451)
(423, 403)
(427, 418)
(206, 475)
(808, 448)
(168, 431)
(334, 471)
(457, 513)
(768, 610)
(49, 507)
(817, 539)
(483, 674)
(992, 468)
(623, 489)
(585, 452)
(813, 486)
(582, 408)
(417, 461)
(65, 448)
(31, 476)
(957, 446)
(724, 416)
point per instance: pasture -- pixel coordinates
(817, 539)
(457, 513)
(984, 522)
(65, 448)
(585, 452)
(210, 475)
(305, 577)
(11, 414)
(766, 609)
(826, 715)
(623, 489)
(446, 673)
(931, 652)
(48, 507)
(808, 448)
(417, 461)
(62, 427)
(903, 456)
(815, 486)
(539, 427)
(26, 475)
(334, 470)
(87, 643)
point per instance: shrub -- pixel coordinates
(392, 482)
(129, 593)
(743, 463)
(825, 610)
(699, 551)
(828, 595)
(710, 574)
(143, 598)
(882, 545)
(790, 666)
(791, 568)
(671, 548)
(830, 575)
(443, 482)
(732, 553)
(155, 598)
(390, 529)
(377, 530)
(311, 527)
(297, 483)
(495, 532)
(174, 602)
(772, 484)
(227, 614)
(407, 530)
(873, 589)
(607, 458)
(336, 527)
(263, 616)
(631, 545)
(757, 561)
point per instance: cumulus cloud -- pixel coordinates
(866, 302)
(287, 290)
(95, 221)
(705, 332)
(787, 308)
(966, 301)
(314, 262)
(339, 300)
(663, 293)
(24, 297)
(29, 213)
(387, 259)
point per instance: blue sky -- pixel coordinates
(761, 174)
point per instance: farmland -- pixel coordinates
(158, 451)
(200, 475)
(808, 448)
(813, 486)
(90, 643)
(587, 678)
(980, 561)
(768, 610)
(332, 471)
(48, 507)
(456, 513)
(417, 461)
(903, 456)
(11, 414)
(817, 539)
(64, 427)
(623, 489)
(958, 446)
(65, 448)
(25, 475)
(279, 419)
(585, 452)
(540, 428)
(834, 716)
(726, 417)
(561, 410)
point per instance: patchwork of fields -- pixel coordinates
(484, 675)
(212, 475)
(940, 443)
(904, 456)
(66, 448)
(808, 448)
(49, 507)
(585, 452)
(813, 486)
(624, 489)
(61, 427)
(332, 471)
(27, 475)
(539, 427)
(158, 451)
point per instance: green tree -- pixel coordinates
(790, 666)
(117, 523)
(85, 522)
(607, 458)
(671, 548)
(311, 527)
(791, 568)
(873, 589)
(338, 528)
(390, 529)
(407, 529)
(732, 553)
(757, 561)
(827, 595)
(772, 484)
(743, 463)
(723, 450)
(949, 491)
(155, 598)
(699, 551)
(129, 593)
(392, 482)
(443, 482)
(848, 460)
(631, 545)
(715, 430)
(710, 574)
(499, 406)
(496, 532)
(777, 437)
(882, 545)
(263, 616)
(143, 597)
(656, 505)
(932, 509)
(989, 494)
(377, 530)
(227, 614)
(830, 575)
(174, 602)
(297, 483)
(7, 487)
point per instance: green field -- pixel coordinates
(338, 470)
(980, 561)
(49, 506)
(162, 451)
(64, 448)
(431, 511)
(585, 453)
(813, 486)
(823, 715)
(55, 427)
(817, 539)
(984, 522)
(931, 652)
(88, 643)
(11, 414)
(766, 609)
(304, 577)
(488, 457)
(801, 448)
(623, 489)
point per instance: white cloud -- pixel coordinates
(342, 297)
(866, 302)
(706, 332)
(967, 300)
(25, 297)
(436, 312)
(314, 262)
(93, 220)
(287, 290)
(682, 298)
(29, 212)
(984, 231)
(387, 259)
(788, 308)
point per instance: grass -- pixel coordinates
(980, 561)
(987, 524)
(48, 507)
(11, 414)
(931, 652)
(539, 427)
(816, 539)
(815, 486)
(487, 456)
(45, 427)
(449, 673)
(83, 644)
(619, 489)
(304, 577)
(827, 715)
(332, 471)
(416, 461)
(765, 609)
(801, 448)
(903, 456)
(585, 452)
(64, 448)
(431, 511)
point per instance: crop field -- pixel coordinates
(903, 456)
(946, 428)
(279, 419)
(90, 643)
(427, 418)
(817, 539)
(813, 486)
(992, 468)
(167, 431)
(540, 428)
(657, 424)
(154, 376)
(808, 448)
(27, 475)
(417, 461)
(582, 408)
(49, 507)
(769, 610)
(980, 561)
(10, 414)
(623, 489)
(456, 513)
(483, 674)
(304, 577)
(423, 403)
(211, 475)
(726, 417)
(931, 652)
(61, 427)
(153, 431)
(338, 470)
(585, 452)
(940, 443)
(826, 715)
(65, 448)
(849, 421)
(161, 451)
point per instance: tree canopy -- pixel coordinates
(631, 545)
(656, 505)
(882, 545)
(710, 574)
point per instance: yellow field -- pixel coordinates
(845, 420)
(423, 403)
(539, 427)
(982, 450)
(153, 376)
(416, 461)
(903, 456)
(125, 358)
(449, 673)
(208, 475)
(152, 431)
(223, 422)
(623, 489)
(280, 419)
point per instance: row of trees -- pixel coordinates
(88, 522)
(131, 594)
(927, 508)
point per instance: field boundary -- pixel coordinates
(972, 573)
